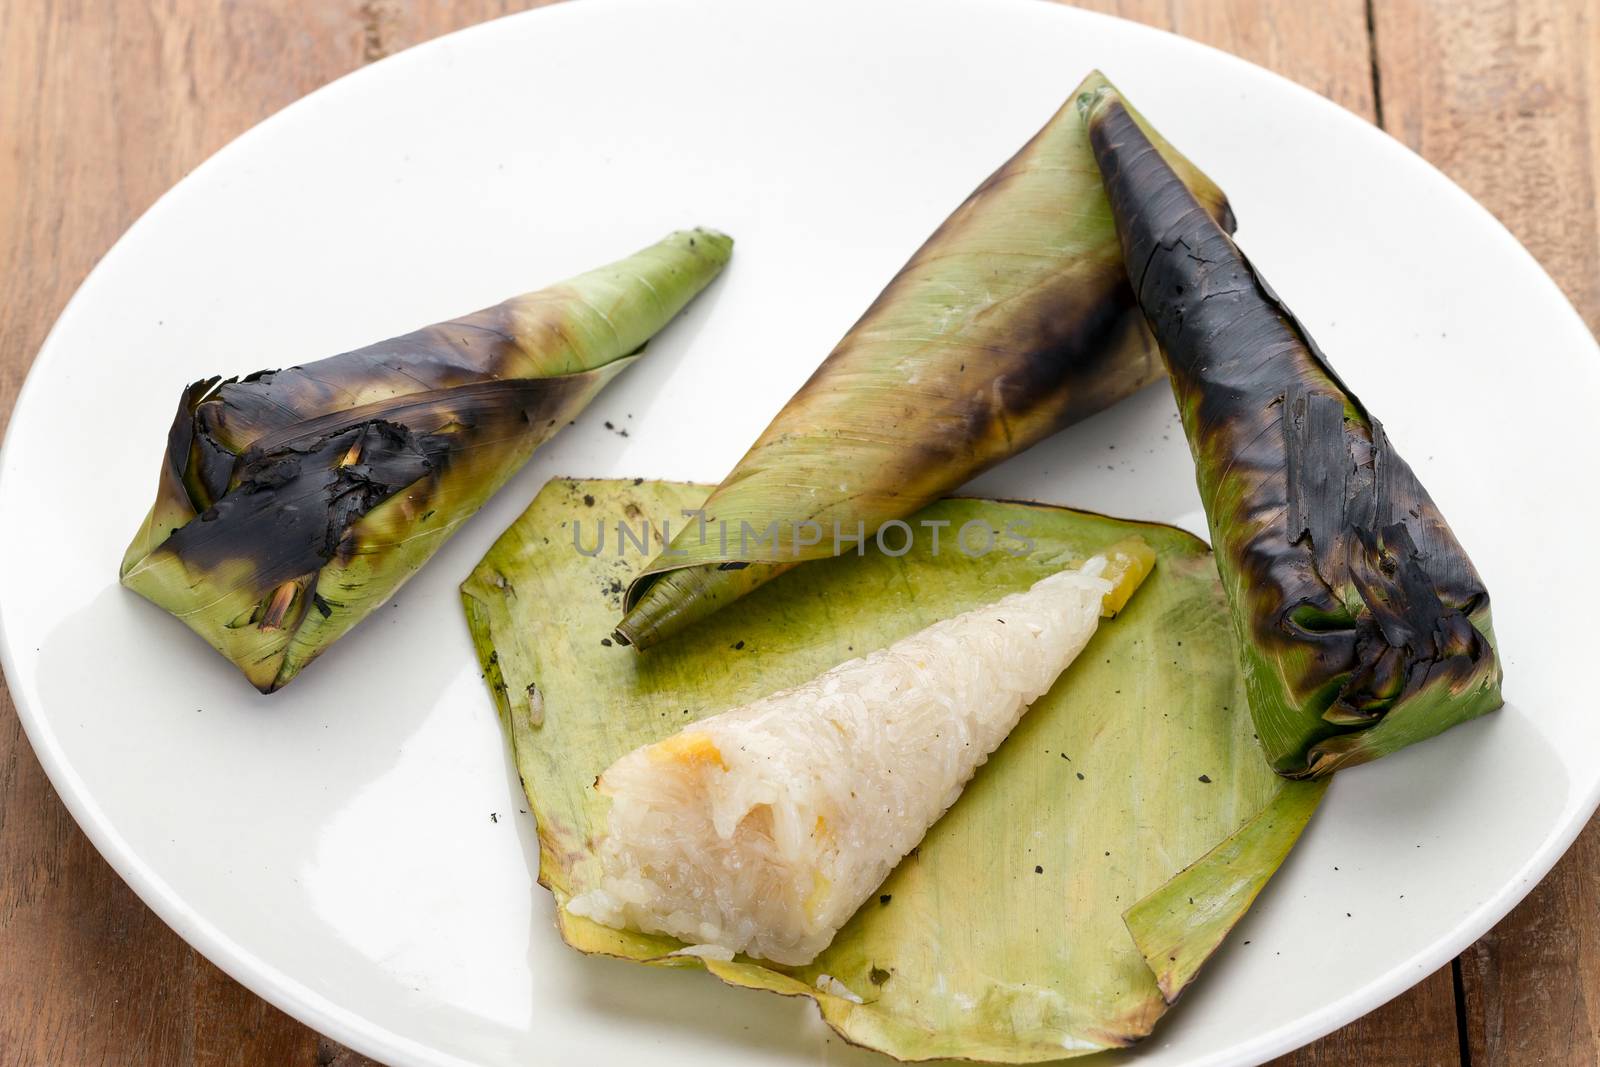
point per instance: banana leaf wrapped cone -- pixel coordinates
(293, 503)
(1088, 868)
(1363, 626)
(764, 828)
(1012, 321)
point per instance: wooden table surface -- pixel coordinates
(106, 103)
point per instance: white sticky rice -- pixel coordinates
(762, 829)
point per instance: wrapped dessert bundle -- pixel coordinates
(1363, 625)
(761, 830)
(1012, 321)
(1086, 812)
(969, 826)
(293, 503)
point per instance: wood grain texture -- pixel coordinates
(1504, 96)
(104, 104)
(102, 107)
(1532, 984)
(1326, 47)
(1415, 1029)
(1321, 45)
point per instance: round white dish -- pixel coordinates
(354, 848)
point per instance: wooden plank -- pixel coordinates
(1532, 984)
(1415, 1029)
(105, 105)
(1504, 96)
(89, 976)
(232, 1027)
(87, 973)
(1322, 45)
(1325, 47)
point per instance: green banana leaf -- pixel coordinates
(1012, 321)
(1363, 625)
(1001, 938)
(293, 503)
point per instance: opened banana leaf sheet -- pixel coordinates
(293, 503)
(1363, 624)
(1013, 320)
(1135, 781)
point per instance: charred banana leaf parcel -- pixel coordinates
(1013, 320)
(1363, 625)
(292, 503)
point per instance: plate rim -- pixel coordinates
(351, 1028)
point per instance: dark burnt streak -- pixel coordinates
(350, 471)
(1366, 626)
(292, 506)
(1013, 320)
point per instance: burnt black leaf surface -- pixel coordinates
(1363, 625)
(1013, 320)
(291, 503)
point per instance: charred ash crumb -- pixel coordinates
(738, 645)
(588, 500)
(878, 975)
(618, 430)
(884, 898)
(1206, 778)
(606, 641)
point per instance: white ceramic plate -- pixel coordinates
(333, 847)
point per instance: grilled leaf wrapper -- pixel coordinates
(1001, 937)
(1363, 626)
(293, 503)
(1012, 321)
